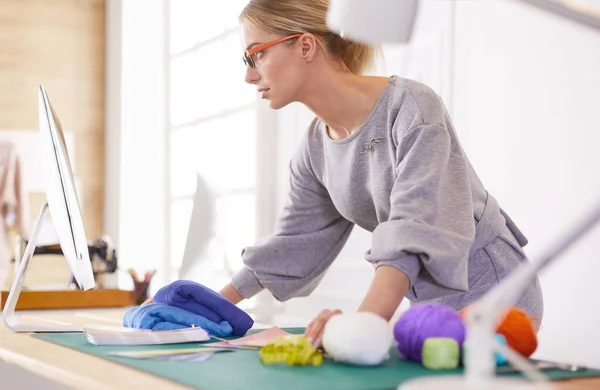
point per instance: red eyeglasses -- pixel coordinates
(249, 60)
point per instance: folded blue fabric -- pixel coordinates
(158, 316)
(205, 302)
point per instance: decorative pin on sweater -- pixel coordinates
(370, 144)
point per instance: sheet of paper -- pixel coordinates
(190, 355)
(254, 341)
(144, 336)
(112, 328)
(190, 358)
(146, 354)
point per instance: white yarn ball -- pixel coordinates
(360, 338)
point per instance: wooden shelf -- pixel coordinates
(71, 299)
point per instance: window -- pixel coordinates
(212, 137)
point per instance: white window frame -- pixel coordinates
(264, 189)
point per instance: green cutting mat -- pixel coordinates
(243, 369)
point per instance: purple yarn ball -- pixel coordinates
(423, 321)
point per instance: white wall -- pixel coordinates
(526, 94)
(135, 135)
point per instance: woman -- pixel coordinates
(381, 153)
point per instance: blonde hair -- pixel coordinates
(288, 17)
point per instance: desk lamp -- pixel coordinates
(380, 21)
(64, 209)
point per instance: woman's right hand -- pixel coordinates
(147, 301)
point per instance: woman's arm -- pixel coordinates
(387, 290)
(231, 294)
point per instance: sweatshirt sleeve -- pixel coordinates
(431, 223)
(309, 235)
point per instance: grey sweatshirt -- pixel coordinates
(404, 177)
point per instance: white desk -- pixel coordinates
(79, 370)
(72, 368)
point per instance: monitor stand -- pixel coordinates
(11, 320)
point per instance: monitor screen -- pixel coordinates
(61, 195)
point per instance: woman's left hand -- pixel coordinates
(314, 331)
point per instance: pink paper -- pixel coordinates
(256, 340)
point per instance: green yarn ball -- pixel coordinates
(441, 353)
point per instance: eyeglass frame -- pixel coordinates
(247, 57)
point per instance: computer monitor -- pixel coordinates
(65, 214)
